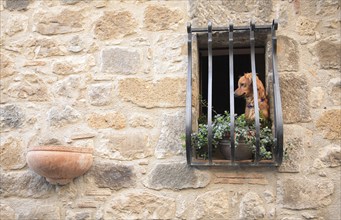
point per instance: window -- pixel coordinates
(210, 92)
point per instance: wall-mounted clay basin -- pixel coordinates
(59, 164)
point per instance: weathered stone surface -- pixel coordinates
(335, 90)
(16, 4)
(24, 184)
(288, 54)
(300, 193)
(175, 60)
(251, 207)
(6, 66)
(38, 210)
(120, 61)
(158, 18)
(306, 26)
(169, 143)
(139, 120)
(6, 212)
(141, 205)
(100, 94)
(15, 25)
(76, 45)
(61, 116)
(66, 68)
(331, 155)
(107, 120)
(211, 205)
(166, 92)
(296, 140)
(328, 54)
(219, 12)
(113, 25)
(11, 117)
(112, 175)
(131, 146)
(295, 99)
(69, 87)
(65, 22)
(174, 175)
(80, 215)
(41, 48)
(317, 97)
(29, 87)
(12, 154)
(329, 123)
(71, 2)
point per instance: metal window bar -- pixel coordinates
(278, 121)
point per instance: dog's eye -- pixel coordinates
(242, 84)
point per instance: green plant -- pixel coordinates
(244, 131)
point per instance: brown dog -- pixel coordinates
(245, 89)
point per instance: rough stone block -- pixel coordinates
(120, 61)
(16, 4)
(113, 25)
(69, 87)
(251, 206)
(175, 176)
(335, 90)
(11, 117)
(61, 116)
(295, 98)
(331, 155)
(65, 22)
(175, 60)
(139, 120)
(100, 94)
(38, 210)
(114, 120)
(65, 68)
(173, 126)
(12, 154)
(296, 140)
(317, 97)
(140, 205)
(112, 175)
(288, 54)
(329, 123)
(165, 92)
(158, 18)
(301, 193)
(6, 66)
(30, 87)
(328, 54)
(211, 205)
(6, 212)
(131, 146)
(42, 48)
(306, 26)
(24, 184)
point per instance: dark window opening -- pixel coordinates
(220, 61)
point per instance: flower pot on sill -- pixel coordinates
(242, 150)
(59, 164)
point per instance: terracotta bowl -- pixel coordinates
(59, 164)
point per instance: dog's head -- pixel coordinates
(245, 87)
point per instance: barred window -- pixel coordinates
(218, 130)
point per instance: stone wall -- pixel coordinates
(111, 75)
